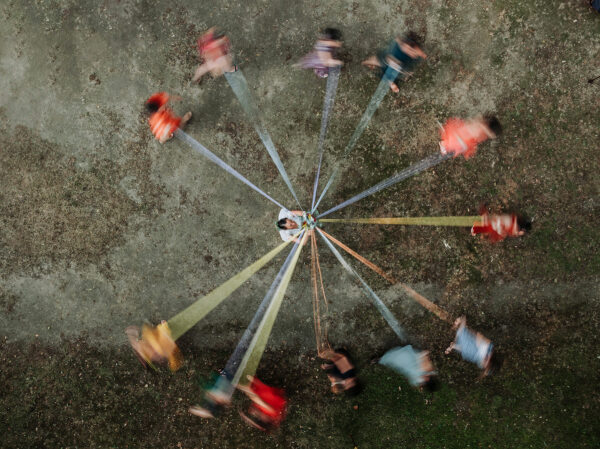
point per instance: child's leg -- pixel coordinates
(253, 421)
(186, 118)
(201, 412)
(200, 72)
(461, 321)
(371, 62)
(225, 64)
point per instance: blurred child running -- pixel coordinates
(322, 58)
(402, 55)
(214, 49)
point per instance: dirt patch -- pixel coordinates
(7, 301)
(53, 210)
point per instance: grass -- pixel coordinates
(106, 400)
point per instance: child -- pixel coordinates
(290, 223)
(216, 396)
(268, 407)
(401, 55)
(462, 137)
(155, 346)
(214, 51)
(475, 348)
(340, 371)
(416, 366)
(497, 227)
(163, 121)
(323, 55)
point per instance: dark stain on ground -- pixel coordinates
(51, 209)
(7, 301)
(55, 211)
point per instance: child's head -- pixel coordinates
(331, 34)
(212, 38)
(492, 122)
(431, 384)
(286, 223)
(494, 364)
(524, 224)
(354, 388)
(343, 351)
(152, 106)
(412, 39)
(218, 35)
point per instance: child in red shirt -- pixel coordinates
(163, 121)
(268, 405)
(497, 227)
(462, 137)
(214, 52)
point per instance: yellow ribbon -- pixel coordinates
(421, 221)
(257, 346)
(187, 318)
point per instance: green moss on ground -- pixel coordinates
(78, 396)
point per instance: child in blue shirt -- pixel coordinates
(474, 348)
(400, 57)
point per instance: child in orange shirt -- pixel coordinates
(163, 121)
(155, 346)
(462, 137)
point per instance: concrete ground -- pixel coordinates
(102, 227)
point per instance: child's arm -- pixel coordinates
(480, 339)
